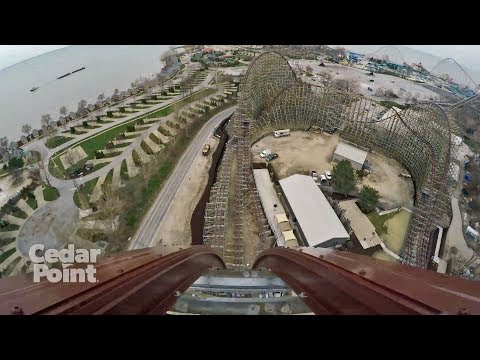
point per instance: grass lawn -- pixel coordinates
(390, 104)
(4, 242)
(57, 141)
(19, 213)
(32, 202)
(50, 193)
(9, 227)
(391, 228)
(194, 97)
(379, 221)
(99, 141)
(6, 254)
(81, 197)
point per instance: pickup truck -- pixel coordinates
(206, 149)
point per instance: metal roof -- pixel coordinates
(351, 153)
(313, 212)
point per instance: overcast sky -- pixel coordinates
(468, 55)
(12, 54)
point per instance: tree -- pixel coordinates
(368, 199)
(63, 111)
(343, 177)
(82, 105)
(46, 120)
(26, 129)
(348, 86)
(17, 176)
(15, 163)
(115, 96)
(3, 144)
(101, 97)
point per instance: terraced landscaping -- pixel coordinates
(55, 141)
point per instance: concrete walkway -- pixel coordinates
(455, 236)
(390, 252)
(144, 157)
(9, 260)
(9, 234)
(100, 161)
(97, 190)
(117, 178)
(164, 139)
(132, 169)
(153, 146)
(18, 268)
(9, 246)
(38, 192)
(22, 205)
(14, 220)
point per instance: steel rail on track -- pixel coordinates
(339, 282)
(136, 282)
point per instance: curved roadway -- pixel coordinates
(148, 229)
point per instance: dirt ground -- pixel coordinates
(394, 190)
(175, 228)
(302, 152)
(72, 156)
(7, 190)
(402, 87)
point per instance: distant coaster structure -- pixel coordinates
(419, 137)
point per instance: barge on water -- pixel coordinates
(61, 77)
(74, 71)
(70, 73)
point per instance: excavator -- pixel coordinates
(180, 280)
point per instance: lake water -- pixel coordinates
(106, 67)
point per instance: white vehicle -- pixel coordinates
(265, 153)
(280, 133)
(328, 175)
(323, 180)
(314, 175)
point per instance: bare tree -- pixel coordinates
(82, 107)
(111, 206)
(348, 85)
(17, 176)
(101, 97)
(326, 76)
(115, 96)
(3, 144)
(26, 129)
(46, 120)
(63, 111)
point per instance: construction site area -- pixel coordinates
(408, 153)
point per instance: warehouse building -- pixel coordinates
(347, 152)
(273, 209)
(315, 221)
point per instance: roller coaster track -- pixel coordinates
(330, 282)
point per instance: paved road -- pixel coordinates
(147, 231)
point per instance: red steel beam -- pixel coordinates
(340, 282)
(145, 281)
